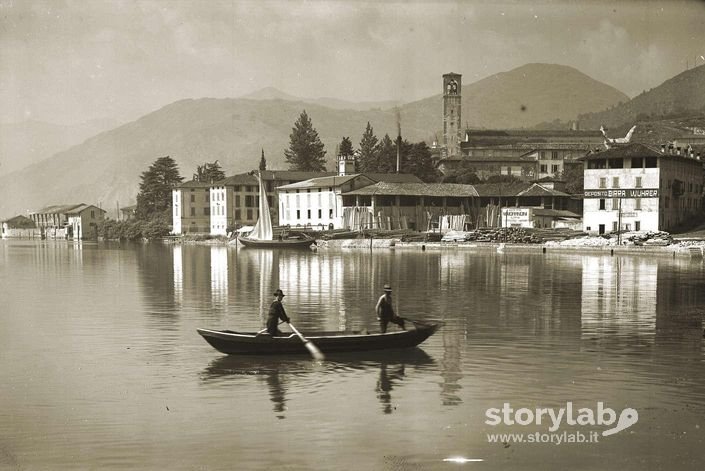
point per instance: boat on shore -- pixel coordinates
(261, 343)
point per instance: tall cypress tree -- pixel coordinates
(262, 162)
(305, 152)
(368, 150)
(385, 156)
(154, 197)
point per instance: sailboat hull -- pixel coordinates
(277, 244)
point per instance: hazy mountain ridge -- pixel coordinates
(681, 94)
(527, 96)
(106, 168)
(271, 93)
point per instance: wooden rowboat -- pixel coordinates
(253, 343)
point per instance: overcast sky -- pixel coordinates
(66, 61)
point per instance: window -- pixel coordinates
(207, 211)
(193, 198)
(320, 214)
(554, 168)
(615, 182)
(615, 226)
(543, 155)
(602, 204)
(249, 214)
(554, 155)
(651, 162)
(330, 214)
(249, 201)
(637, 182)
(603, 182)
(637, 162)
(92, 213)
(637, 204)
(298, 214)
(238, 214)
(237, 201)
(308, 214)
(637, 225)
(193, 211)
(207, 196)
(615, 163)
(543, 168)
(615, 204)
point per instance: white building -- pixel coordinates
(317, 202)
(633, 187)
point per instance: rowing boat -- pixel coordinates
(261, 343)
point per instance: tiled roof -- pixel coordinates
(57, 209)
(194, 184)
(320, 182)
(19, 222)
(540, 190)
(633, 149)
(272, 175)
(501, 189)
(416, 189)
(561, 213)
(82, 207)
(394, 177)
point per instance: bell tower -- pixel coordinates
(452, 84)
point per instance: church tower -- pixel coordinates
(346, 164)
(451, 113)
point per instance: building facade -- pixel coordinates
(72, 221)
(190, 206)
(634, 187)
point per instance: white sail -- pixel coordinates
(263, 228)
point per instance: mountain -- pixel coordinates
(27, 142)
(527, 96)
(680, 95)
(271, 93)
(105, 169)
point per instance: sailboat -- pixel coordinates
(262, 235)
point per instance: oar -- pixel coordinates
(312, 348)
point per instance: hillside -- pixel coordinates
(271, 93)
(105, 169)
(527, 96)
(679, 95)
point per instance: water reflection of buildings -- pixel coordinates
(619, 291)
(219, 275)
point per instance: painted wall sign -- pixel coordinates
(623, 193)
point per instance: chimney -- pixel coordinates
(398, 140)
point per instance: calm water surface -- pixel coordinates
(102, 367)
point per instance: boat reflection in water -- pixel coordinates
(279, 373)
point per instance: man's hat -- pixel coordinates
(387, 287)
(279, 292)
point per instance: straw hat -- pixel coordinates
(279, 293)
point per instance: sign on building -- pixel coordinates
(516, 217)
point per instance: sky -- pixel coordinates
(71, 61)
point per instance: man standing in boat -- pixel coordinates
(385, 311)
(276, 312)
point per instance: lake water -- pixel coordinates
(102, 367)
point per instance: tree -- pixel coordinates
(573, 177)
(368, 150)
(209, 172)
(346, 148)
(385, 157)
(154, 197)
(418, 161)
(262, 162)
(305, 152)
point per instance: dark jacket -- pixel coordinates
(276, 312)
